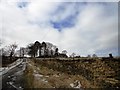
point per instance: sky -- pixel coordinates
(80, 26)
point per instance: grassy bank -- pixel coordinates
(92, 73)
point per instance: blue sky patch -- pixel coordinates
(69, 20)
(22, 4)
(66, 23)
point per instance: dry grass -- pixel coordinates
(60, 74)
(29, 77)
(54, 78)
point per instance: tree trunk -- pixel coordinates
(40, 52)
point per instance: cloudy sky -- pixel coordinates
(81, 27)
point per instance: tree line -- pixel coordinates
(36, 49)
(42, 50)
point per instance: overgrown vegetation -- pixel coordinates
(92, 73)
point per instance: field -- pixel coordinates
(69, 73)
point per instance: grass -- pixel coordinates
(92, 73)
(28, 77)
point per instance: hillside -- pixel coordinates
(80, 73)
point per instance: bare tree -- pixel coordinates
(37, 48)
(31, 51)
(110, 55)
(64, 52)
(44, 47)
(56, 52)
(51, 52)
(94, 55)
(89, 56)
(11, 49)
(50, 49)
(73, 55)
(22, 51)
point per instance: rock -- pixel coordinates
(76, 84)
